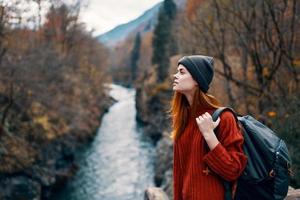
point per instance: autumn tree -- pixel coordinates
(10, 16)
(62, 72)
(263, 34)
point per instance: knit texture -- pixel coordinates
(197, 171)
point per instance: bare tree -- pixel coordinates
(262, 35)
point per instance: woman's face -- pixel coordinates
(183, 81)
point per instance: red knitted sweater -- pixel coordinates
(197, 171)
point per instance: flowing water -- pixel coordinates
(118, 165)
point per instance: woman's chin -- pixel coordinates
(174, 88)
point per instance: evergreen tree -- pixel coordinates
(163, 42)
(135, 56)
(170, 9)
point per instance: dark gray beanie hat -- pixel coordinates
(201, 68)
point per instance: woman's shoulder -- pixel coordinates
(227, 118)
(227, 115)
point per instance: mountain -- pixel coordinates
(145, 23)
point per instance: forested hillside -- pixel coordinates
(52, 95)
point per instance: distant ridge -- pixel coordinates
(144, 23)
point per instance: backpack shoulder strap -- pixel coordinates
(220, 110)
(215, 115)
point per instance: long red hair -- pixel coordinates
(180, 109)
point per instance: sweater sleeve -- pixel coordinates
(227, 158)
(177, 174)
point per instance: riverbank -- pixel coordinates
(37, 151)
(118, 163)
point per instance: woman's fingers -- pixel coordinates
(206, 118)
(200, 118)
(207, 115)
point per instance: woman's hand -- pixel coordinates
(206, 126)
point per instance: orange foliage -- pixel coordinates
(192, 7)
(271, 114)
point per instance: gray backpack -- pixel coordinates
(267, 173)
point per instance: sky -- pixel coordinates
(98, 15)
(104, 15)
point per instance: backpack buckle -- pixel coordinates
(272, 173)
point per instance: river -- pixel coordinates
(118, 165)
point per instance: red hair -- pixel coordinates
(180, 109)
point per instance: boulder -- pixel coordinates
(293, 194)
(164, 158)
(154, 193)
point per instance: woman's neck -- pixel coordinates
(190, 97)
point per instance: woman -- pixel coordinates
(202, 161)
